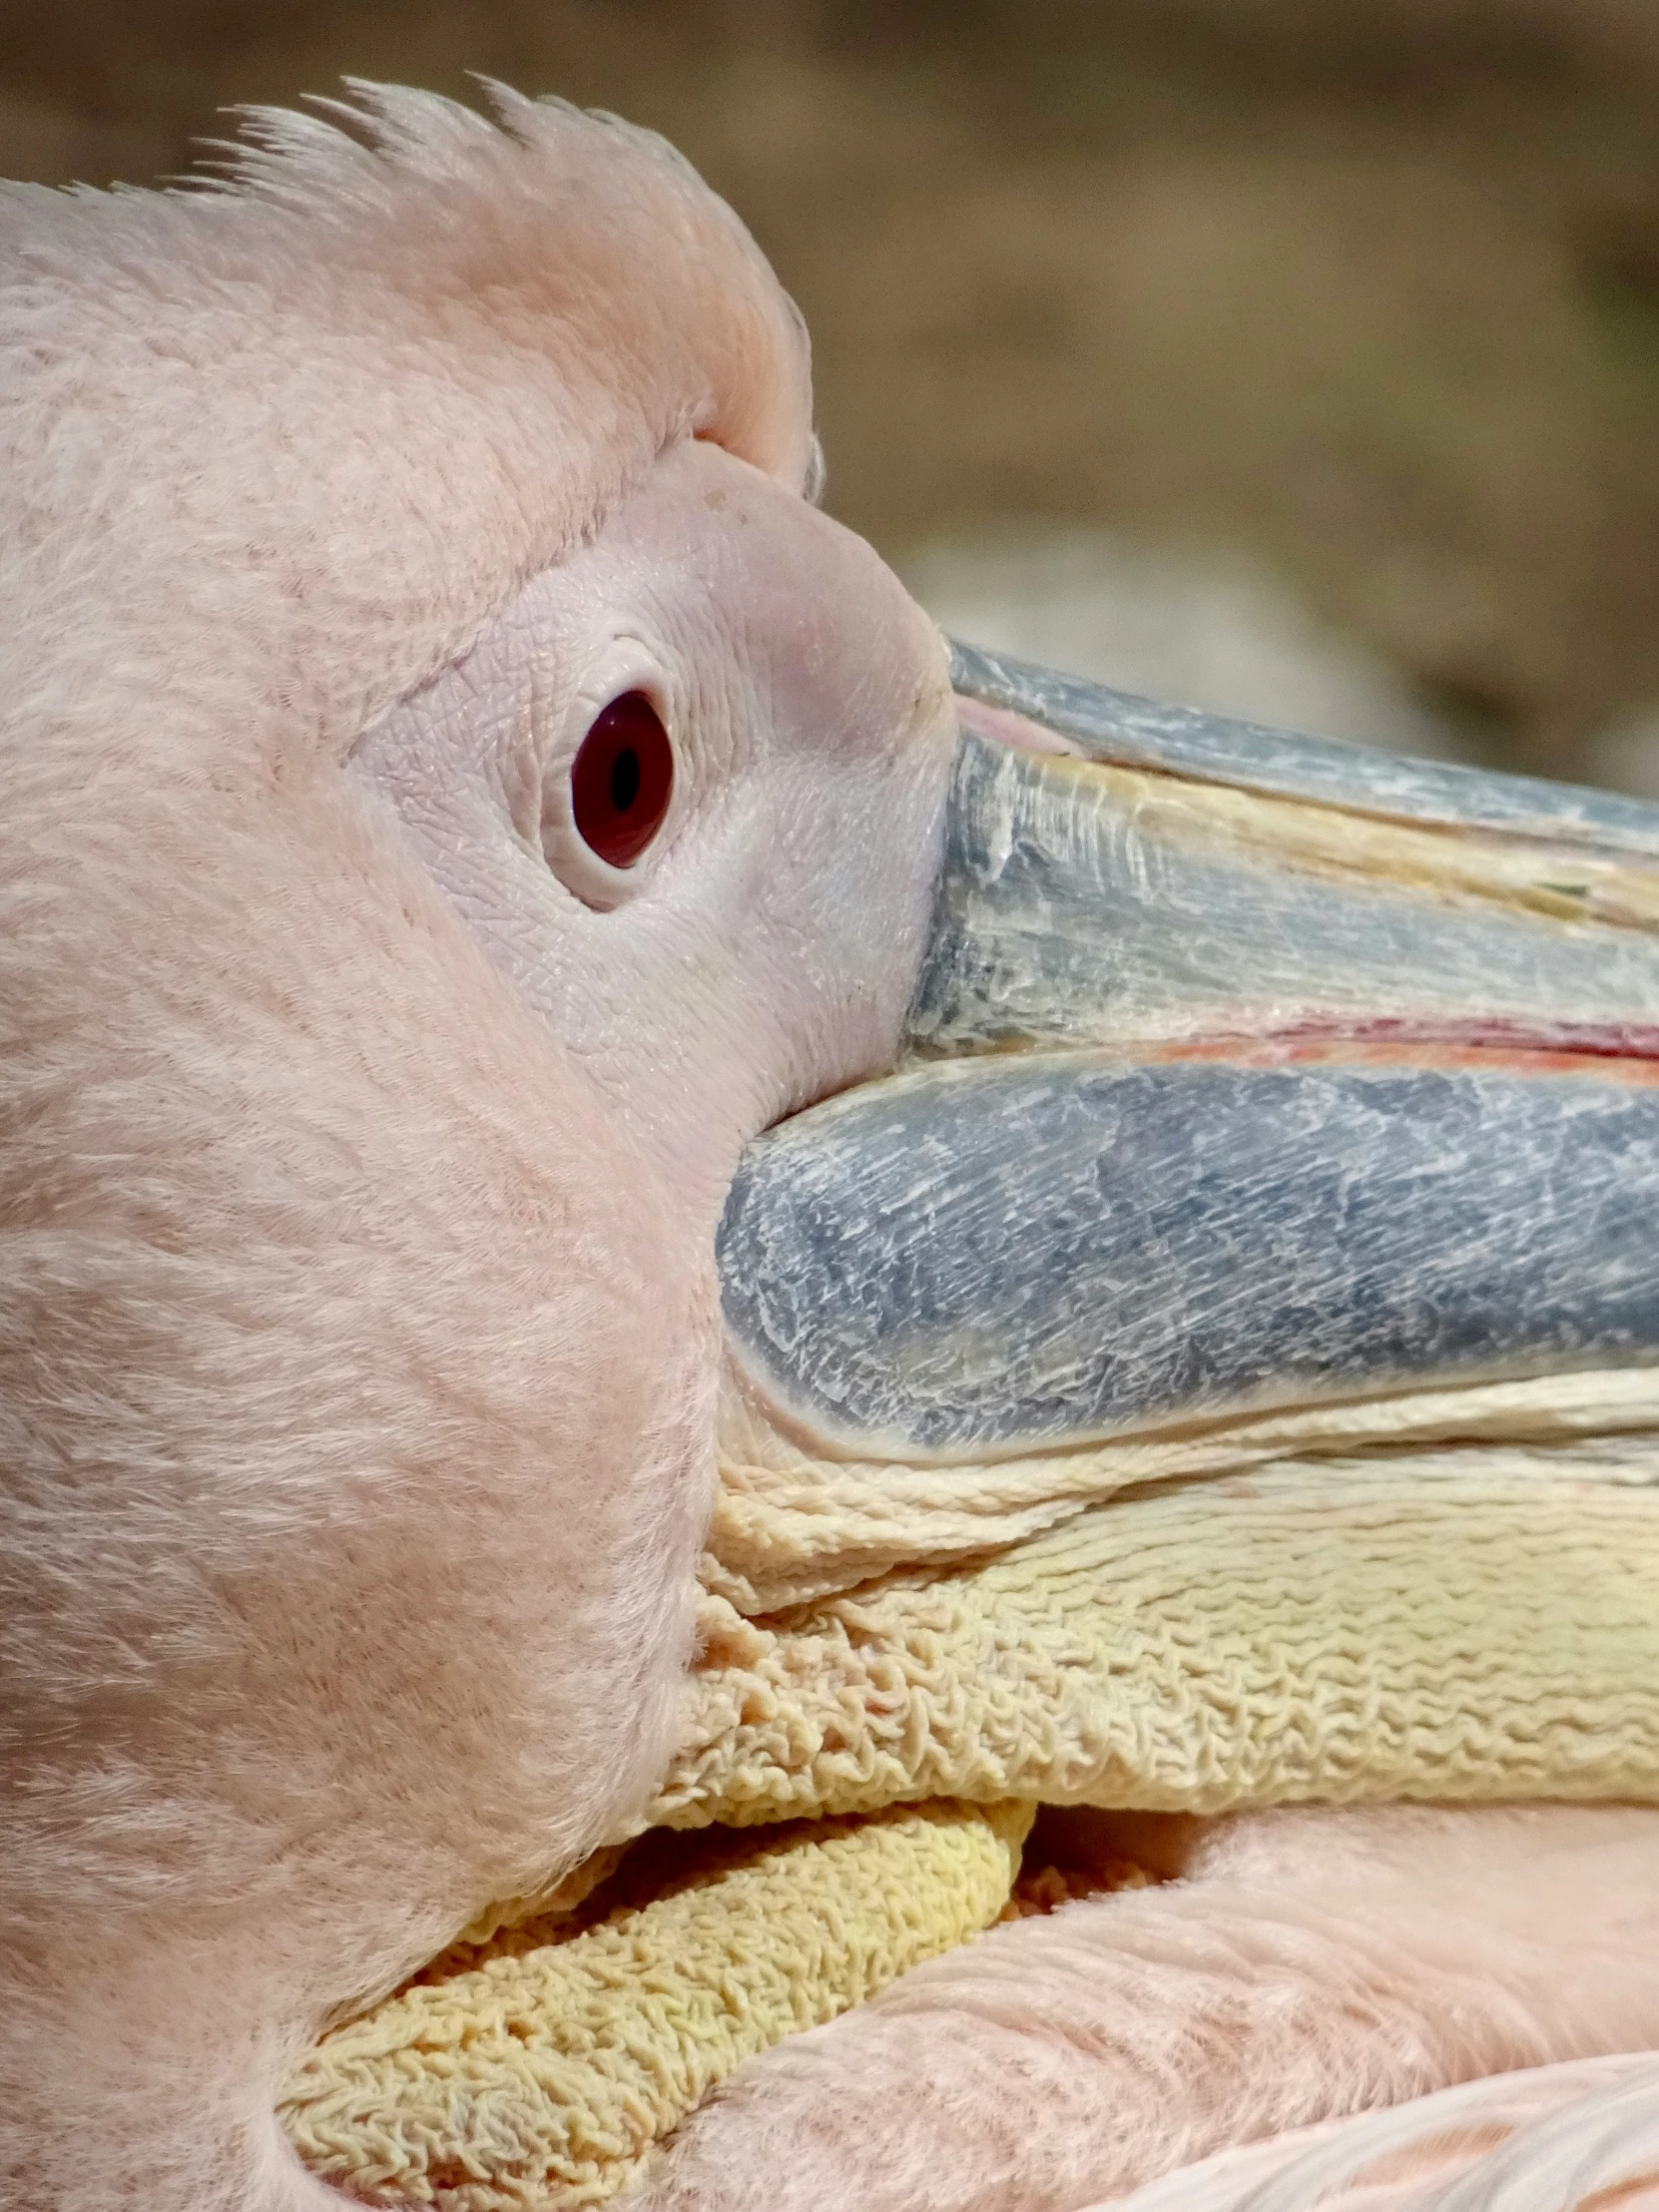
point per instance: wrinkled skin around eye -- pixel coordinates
(760, 951)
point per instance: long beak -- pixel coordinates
(1246, 1070)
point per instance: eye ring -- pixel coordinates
(622, 781)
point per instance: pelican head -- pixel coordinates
(518, 942)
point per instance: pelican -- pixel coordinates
(598, 1126)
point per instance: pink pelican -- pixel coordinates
(460, 794)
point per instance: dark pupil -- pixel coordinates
(624, 780)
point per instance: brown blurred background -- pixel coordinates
(1297, 356)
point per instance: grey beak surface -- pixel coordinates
(1245, 1070)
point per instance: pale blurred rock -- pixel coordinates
(1626, 757)
(1214, 633)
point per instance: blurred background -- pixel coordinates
(1297, 357)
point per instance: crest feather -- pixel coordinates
(408, 352)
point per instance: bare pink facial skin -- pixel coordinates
(362, 1147)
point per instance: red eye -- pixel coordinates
(621, 780)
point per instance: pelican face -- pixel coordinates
(473, 828)
(458, 788)
(1244, 1071)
